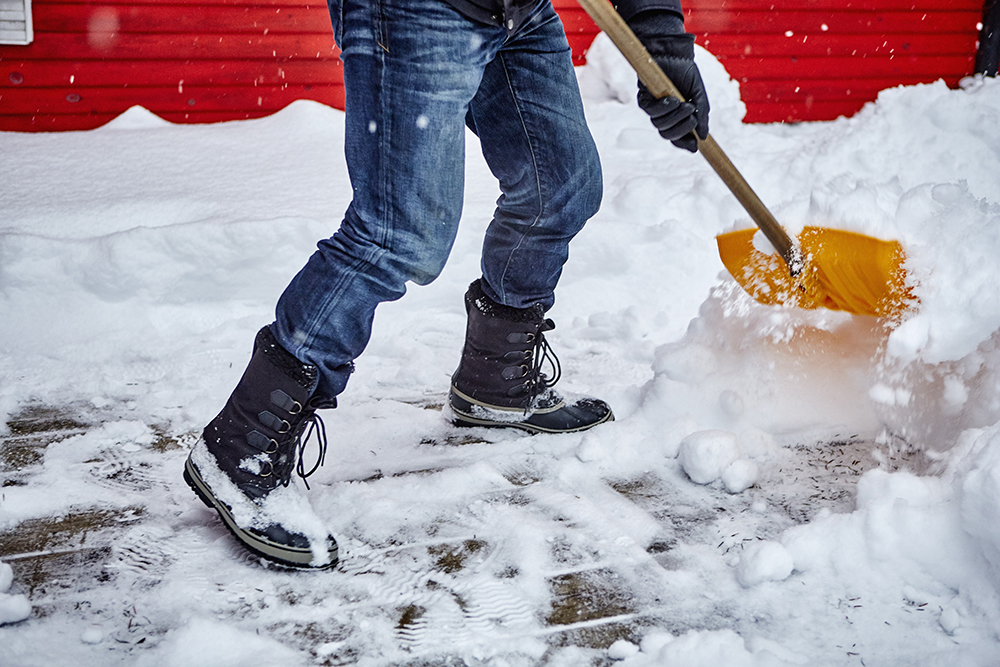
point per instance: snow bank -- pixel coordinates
(705, 648)
(138, 260)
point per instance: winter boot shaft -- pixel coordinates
(242, 466)
(500, 379)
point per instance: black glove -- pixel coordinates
(662, 33)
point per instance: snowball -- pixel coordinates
(740, 475)
(92, 636)
(622, 649)
(13, 608)
(764, 561)
(706, 454)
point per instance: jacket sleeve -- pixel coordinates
(629, 8)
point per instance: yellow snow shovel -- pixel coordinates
(823, 268)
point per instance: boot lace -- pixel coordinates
(310, 428)
(541, 354)
(313, 426)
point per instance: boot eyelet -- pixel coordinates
(272, 446)
(295, 409)
(270, 469)
(285, 427)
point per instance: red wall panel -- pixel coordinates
(211, 60)
(818, 59)
(187, 61)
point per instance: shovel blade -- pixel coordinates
(843, 271)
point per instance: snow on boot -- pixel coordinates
(242, 465)
(499, 381)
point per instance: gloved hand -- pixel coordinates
(662, 33)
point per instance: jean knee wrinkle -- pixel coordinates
(407, 99)
(538, 144)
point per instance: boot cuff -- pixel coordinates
(305, 375)
(476, 298)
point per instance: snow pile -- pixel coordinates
(706, 648)
(205, 641)
(137, 262)
(707, 456)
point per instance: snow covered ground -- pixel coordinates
(780, 487)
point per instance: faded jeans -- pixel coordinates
(416, 74)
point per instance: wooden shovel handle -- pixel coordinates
(660, 85)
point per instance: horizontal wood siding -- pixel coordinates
(186, 61)
(210, 60)
(818, 59)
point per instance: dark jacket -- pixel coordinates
(512, 13)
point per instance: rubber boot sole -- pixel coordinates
(566, 418)
(254, 542)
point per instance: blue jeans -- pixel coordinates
(416, 74)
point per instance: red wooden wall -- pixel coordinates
(212, 60)
(819, 59)
(186, 60)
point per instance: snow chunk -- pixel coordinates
(13, 608)
(740, 475)
(764, 561)
(705, 455)
(208, 642)
(92, 636)
(707, 648)
(622, 649)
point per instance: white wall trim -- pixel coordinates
(15, 22)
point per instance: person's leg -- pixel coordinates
(529, 118)
(534, 135)
(410, 68)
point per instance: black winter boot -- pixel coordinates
(499, 381)
(242, 465)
